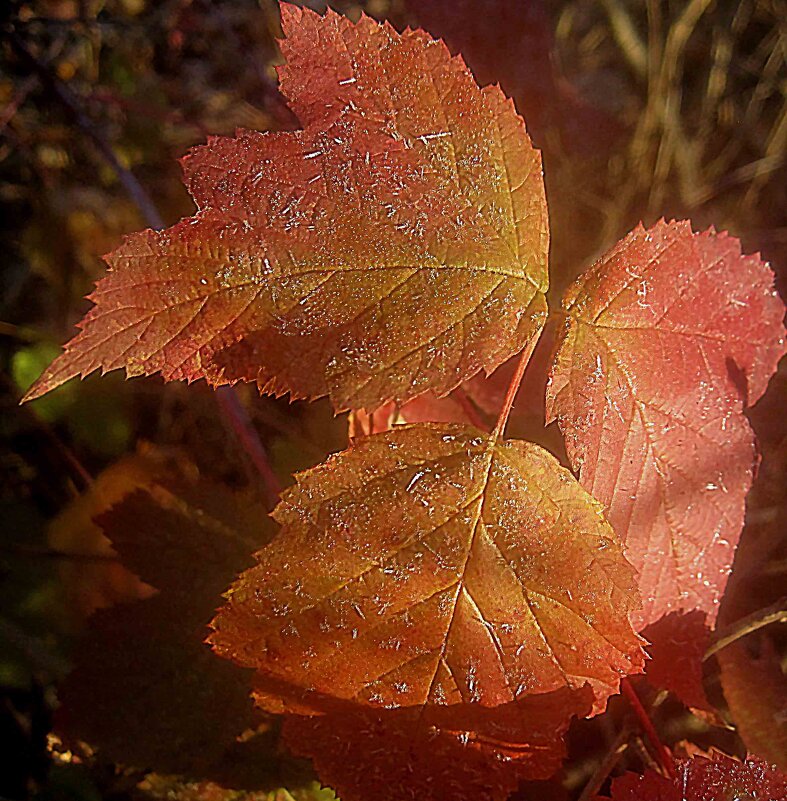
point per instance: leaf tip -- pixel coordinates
(50, 379)
(290, 16)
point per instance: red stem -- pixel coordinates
(513, 388)
(236, 416)
(230, 406)
(662, 752)
(468, 407)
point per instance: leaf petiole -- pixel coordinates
(662, 752)
(513, 388)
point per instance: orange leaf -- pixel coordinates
(668, 338)
(396, 244)
(433, 565)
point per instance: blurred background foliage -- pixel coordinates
(643, 109)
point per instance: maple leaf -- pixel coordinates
(145, 690)
(434, 565)
(90, 584)
(668, 338)
(677, 646)
(437, 754)
(715, 778)
(396, 244)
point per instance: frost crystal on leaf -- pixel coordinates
(397, 244)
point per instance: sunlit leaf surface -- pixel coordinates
(433, 565)
(396, 244)
(667, 339)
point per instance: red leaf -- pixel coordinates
(678, 643)
(668, 338)
(396, 244)
(720, 778)
(436, 753)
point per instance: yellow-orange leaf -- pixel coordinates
(398, 243)
(433, 565)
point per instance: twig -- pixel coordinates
(606, 766)
(662, 752)
(775, 613)
(469, 408)
(626, 36)
(228, 402)
(237, 418)
(71, 105)
(513, 388)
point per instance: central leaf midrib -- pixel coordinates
(489, 453)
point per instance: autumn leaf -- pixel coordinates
(755, 687)
(145, 690)
(97, 580)
(396, 244)
(437, 753)
(718, 778)
(433, 565)
(667, 339)
(676, 646)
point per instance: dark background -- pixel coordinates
(642, 109)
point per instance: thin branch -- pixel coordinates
(606, 766)
(662, 752)
(238, 420)
(513, 388)
(775, 613)
(627, 37)
(469, 408)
